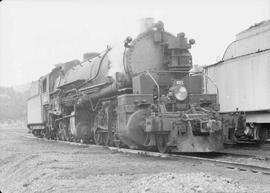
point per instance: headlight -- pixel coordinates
(180, 93)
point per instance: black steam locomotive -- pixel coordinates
(154, 103)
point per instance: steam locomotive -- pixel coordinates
(154, 103)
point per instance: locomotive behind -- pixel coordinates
(154, 103)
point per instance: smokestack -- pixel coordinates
(146, 24)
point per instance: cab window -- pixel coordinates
(34, 89)
(44, 85)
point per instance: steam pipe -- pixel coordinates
(65, 117)
(158, 88)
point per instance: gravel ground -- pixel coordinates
(255, 150)
(193, 182)
(30, 165)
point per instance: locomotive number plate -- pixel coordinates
(179, 82)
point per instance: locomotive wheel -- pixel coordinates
(63, 133)
(34, 132)
(38, 133)
(262, 135)
(101, 138)
(97, 137)
(105, 138)
(161, 142)
(48, 133)
(102, 127)
(116, 141)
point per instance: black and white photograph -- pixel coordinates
(134, 96)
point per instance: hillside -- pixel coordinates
(12, 104)
(22, 87)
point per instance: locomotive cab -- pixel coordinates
(37, 105)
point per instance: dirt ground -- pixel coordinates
(28, 164)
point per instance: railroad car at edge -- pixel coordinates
(242, 78)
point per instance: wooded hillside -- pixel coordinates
(12, 104)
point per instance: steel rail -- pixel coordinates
(240, 166)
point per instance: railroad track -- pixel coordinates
(219, 161)
(227, 164)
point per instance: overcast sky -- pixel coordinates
(36, 34)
